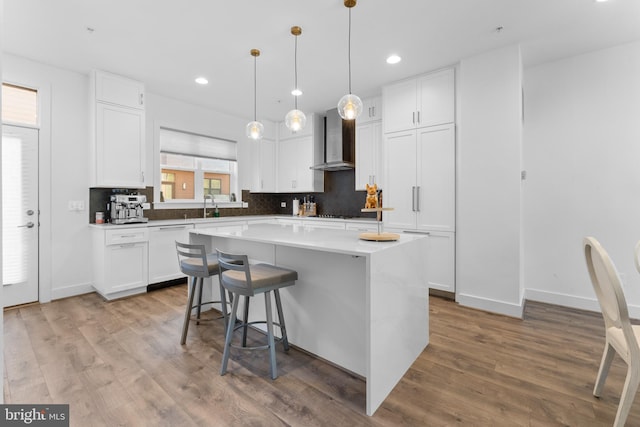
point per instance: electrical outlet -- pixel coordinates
(283, 204)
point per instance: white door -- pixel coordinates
(19, 215)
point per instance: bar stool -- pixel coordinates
(196, 263)
(241, 279)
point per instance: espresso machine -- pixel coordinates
(127, 208)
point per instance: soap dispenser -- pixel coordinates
(216, 212)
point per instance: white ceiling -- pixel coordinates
(167, 43)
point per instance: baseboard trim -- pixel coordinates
(166, 284)
(71, 291)
(493, 306)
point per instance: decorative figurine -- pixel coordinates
(372, 197)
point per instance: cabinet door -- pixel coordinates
(436, 98)
(368, 146)
(399, 106)
(126, 267)
(436, 178)
(400, 180)
(163, 260)
(371, 110)
(119, 147)
(119, 90)
(303, 162)
(264, 166)
(441, 261)
(287, 165)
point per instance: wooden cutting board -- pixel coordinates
(379, 237)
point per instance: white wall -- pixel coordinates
(582, 155)
(1, 295)
(65, 268)
(488, 224)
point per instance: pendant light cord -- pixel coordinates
(255, 88)
(295, 71)
(349, 51)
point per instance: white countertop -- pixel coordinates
(320, 239)
(227, 219)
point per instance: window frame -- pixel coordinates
(199, 175)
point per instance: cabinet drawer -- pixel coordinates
(131, 235)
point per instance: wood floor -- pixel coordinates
(120, 363)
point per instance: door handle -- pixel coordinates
(27, 225)
(413, 199)
(418, 199)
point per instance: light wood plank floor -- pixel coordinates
(120, 363)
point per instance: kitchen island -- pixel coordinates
(359, 304)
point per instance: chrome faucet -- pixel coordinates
(204, 207)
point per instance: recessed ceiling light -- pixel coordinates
(393, 59)
(601, 1)
(296, 92)
(202, 81)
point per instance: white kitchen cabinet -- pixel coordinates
(427, 100)
(441, 255)
(371, 110)
(296, 154)
(264, 168)
(368, 148)
(117, 132)
(420, 179)
(119, 90)
(334, 225)
(163, 261)
(120, 261)
(362, 226)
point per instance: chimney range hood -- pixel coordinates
(339, 143)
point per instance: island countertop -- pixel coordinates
(337, 241)
(361, 305)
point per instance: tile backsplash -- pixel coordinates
(339, 198)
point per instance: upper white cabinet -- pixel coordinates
(420, 179)
(368, 153)
(117, 131)
(427, 100)
(371, 110)
(119, 90)
(264, 166)
(297, 152)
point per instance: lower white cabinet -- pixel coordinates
(120, 259)
(163, 260)
(334, 225)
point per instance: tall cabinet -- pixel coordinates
(369, 144)
(117, 131)
(419, 167)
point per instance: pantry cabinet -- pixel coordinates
(371, 110)
(117, 126)
(420, 179)
(427, 100)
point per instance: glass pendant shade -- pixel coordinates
(255, 130)
(350, 107)
(295, 120)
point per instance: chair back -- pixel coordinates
(192, 259)
(608, 287)
(235, 275)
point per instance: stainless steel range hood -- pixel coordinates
(339, 143)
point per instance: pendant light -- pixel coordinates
(350, 105)
(255, 129)
(295, 119)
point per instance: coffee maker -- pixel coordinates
(127, 208)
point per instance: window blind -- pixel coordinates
(178, 142)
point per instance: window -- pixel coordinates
(194, 166)
(19, 105)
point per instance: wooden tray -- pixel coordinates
(379, 237)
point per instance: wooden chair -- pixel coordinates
(621, 336)
(196, 263)
(240, 278)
